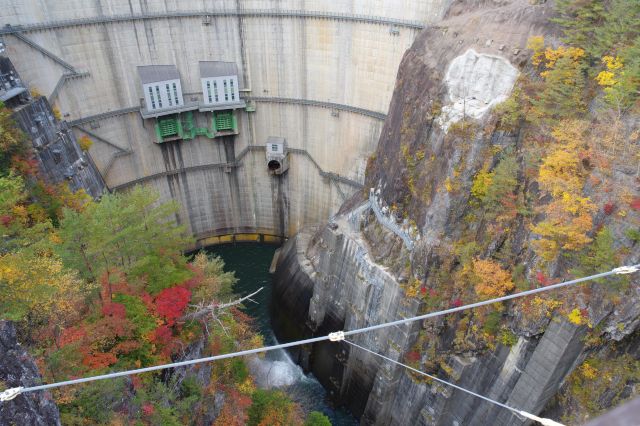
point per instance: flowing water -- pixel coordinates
(251, 262)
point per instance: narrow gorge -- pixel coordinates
(409, 157)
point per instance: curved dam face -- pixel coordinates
(318, 74)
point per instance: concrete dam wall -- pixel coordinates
(320, 74)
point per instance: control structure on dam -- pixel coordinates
(184, 96)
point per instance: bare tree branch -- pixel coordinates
(213, 308)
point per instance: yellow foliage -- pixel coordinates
(448, 185)
(56, 113)
(560, 173)
(545, 306)
(536, 43)
(587, 371)
(613, 63)
(562, 232)
(606, 78)
(493, 280)
(247, 387)
(412, 289)
(77, 201)
(36, 285)
(568, 216)
(575, 317)
(85, 143)
(481, 183)
(552, 55)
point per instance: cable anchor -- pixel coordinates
(9, 394)
(626, 269)
(543, 421)
(336, 336)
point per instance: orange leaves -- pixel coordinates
(72, 334)
(568, 216)
(116, 310)
(493, 281)
(98, 360)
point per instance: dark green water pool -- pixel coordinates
(251, 262)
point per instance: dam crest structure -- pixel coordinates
(317, 75)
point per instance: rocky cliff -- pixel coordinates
(423, 233)
(18, 369)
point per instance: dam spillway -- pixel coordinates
(319, 75)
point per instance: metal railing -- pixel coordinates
(320, 104)
(62, 81)
(44, 51)
(103, 115)
(295, 101)
(388, 222)
(238, 161)
(256, 13)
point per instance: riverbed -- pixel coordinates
(251, 262)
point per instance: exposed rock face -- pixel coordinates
(354, 272)
(475, 83)
(18, 369)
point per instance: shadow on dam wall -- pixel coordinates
(290, 322)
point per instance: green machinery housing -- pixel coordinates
(182, 126)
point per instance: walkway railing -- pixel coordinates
(238, 161)
(307, 102)
(321, 104)
(389, 222)
(256, 13)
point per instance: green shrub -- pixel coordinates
(508, 338)
(316, 418)
(266, 402)
(492, 323)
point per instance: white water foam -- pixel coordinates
(276, 369)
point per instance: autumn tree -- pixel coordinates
(563, 86)
(568, 216)
(11, 140)
(38, 288)
(131, 232)
(496, 189)
(273, 408)
(491, 279)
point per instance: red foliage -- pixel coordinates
(609, 208)
(126, 347)
(457, 302)
(162, 335)
(542, 279)
(216, 345)
(171, 303)
(432, 292)
(148, 409)
(115, 310)
(24, 166)
(97, 360)
(136, 382)
(423, 290)
(72, 334)
(412, 356)
(635, 203)
(240, 316)
(6, 220)
(148, 302)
